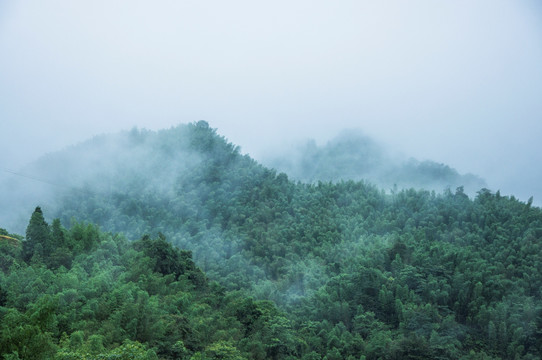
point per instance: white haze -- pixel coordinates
(458, 82)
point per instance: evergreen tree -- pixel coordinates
(38, 237)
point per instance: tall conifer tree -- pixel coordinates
(38, 237)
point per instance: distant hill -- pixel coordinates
(355, 156)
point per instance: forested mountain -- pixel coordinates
(325, 270)
(355, 156)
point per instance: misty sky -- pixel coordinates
(458, 82)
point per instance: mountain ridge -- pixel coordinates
(360, 271)
(349, 156)
(352, 155)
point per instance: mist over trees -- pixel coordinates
(173, 244)
(354, 156)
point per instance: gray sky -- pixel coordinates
(458, 82)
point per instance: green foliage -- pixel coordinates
(139, 300)
(38, 242)
(219, 351)
(169, 260)
(310, 271)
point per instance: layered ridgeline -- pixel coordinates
(355, 156)
(360, 272)
(141, 160)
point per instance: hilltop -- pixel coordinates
(354, 156)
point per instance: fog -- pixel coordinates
(354, 156)
(457, 82)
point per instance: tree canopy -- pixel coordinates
(195, 251)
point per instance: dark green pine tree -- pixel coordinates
(38, 237)
(61, 254)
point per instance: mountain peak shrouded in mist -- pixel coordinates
(158, 161)
(135, 161)
(354, 156)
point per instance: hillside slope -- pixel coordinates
(407, 274)
(80, 293)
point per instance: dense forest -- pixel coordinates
(174, 245)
